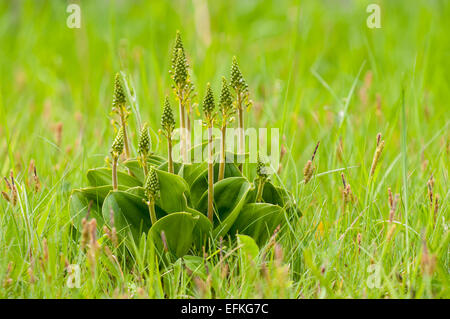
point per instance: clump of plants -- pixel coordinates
(182, 206)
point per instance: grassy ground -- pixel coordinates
(314, 70)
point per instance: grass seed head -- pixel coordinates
(84, 233)
(393, 206)
(390, 198)
(14, 196)
(436, 206)
(377, 155)
(391, 232)
(144, 144)
(315, 151)
(167, 119)
(37, 182)
(308, 171)
(430, 189)
(6, 196)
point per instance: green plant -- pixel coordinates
(120, 107)
(226, 109)
(144, 146)
(304, 80)
(178, 204)
(116, 151)
(152, 191)
(262, 175)
(168, 125)
(208, 109)
(184, 90)
(242, 101)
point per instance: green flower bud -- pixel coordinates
(151, 183)
(167, 119)
(208, 101)
(237, 80)
(226, 100)
(180, 74)
(119, 93)
(144, 143)
(117, 146)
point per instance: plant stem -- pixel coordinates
(222, 153)
(188, 132)
(144, 164)
(260, 190)
(210, 175)
(125, 135)
(169, 155)
(182, 127)
(151, 209)
(114, 172)
(241, 147)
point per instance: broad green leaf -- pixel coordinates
(136, 169)
(165, 167)
(190, 172)
(200, 185)
(248, 247)
(230, 195)
(79, 203)
(177, 229)
(202, 229)
(103, 176)
(276, 195)
(174, 192)
(140, 192)
(259, 221)
(270, 194)
(130, 213)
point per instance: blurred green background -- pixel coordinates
(51, 73)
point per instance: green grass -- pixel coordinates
(306, 63)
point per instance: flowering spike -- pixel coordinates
(117, 146)
(261, 168)
(151, 184)
(167, 119)
(237, 80)
(181, 74)
(119, 93)
(226, 101)
(144, 144)
(261, 171)
(178, 45)
(208, 102)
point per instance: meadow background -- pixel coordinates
(314, 69)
